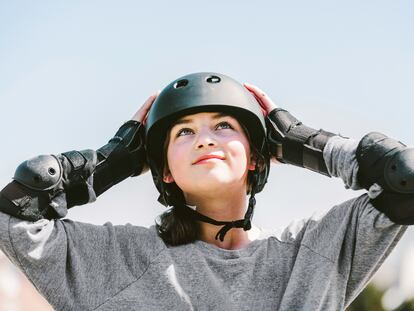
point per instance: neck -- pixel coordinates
(227, 207)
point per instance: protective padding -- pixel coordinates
(195, 93)
(42, 172)
(300, 145)
(390, 164)
(47, 185)
(398, 207)
(387, 162)
(123, 156)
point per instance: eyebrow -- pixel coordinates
(218, 115)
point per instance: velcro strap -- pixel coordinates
(21, 202)
(293, 145)
(76, 159)
(313, 160)
(82, 165)
(15, 194)
(313, 152)
(283, 119)
(319, 141)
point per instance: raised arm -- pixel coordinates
(348, 243)
(46, 186)
(74, 265)
(380, 164)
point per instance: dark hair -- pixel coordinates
(177, 225)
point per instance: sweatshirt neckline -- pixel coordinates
(228, 253)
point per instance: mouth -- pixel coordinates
(207, 159)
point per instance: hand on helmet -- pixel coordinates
(141, 114)
(266, 103)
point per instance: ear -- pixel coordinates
(252, 164)
(167, 178)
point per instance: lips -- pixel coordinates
(209, 156)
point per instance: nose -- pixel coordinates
(205, 138)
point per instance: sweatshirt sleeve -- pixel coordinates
(340, 159)
(74, 265)
(354, 236)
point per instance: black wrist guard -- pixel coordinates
(123, 156)
(292, 142)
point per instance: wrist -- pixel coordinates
(122, 157)
(290, 141)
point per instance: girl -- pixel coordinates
(208, 142)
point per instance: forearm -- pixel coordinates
(324, 152)
(340, 159)
(46, 186)
(123, 156)
(379, 164)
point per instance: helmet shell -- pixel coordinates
(201, 92)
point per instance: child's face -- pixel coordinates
(202, 134)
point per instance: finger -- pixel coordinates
(148, 103)
(254, 91)
(150, 100)
(262, 97)
(252, 87)
(259, 100)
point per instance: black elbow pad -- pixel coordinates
(46, 186)
(387, 162)
(390, 164)
(399, 207)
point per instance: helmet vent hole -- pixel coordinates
(180, 83)
(213, 79)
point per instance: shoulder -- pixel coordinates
(321, 220)
(127, 235)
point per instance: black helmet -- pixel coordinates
(204, 92)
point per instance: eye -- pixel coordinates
(225, 124)
(183, 130)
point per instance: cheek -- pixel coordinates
(175, 157)
(240, 151)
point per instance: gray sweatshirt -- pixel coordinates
(321, 263)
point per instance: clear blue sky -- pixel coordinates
(73, 71)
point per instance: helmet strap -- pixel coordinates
(245, 223)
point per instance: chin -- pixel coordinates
(214, 186)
